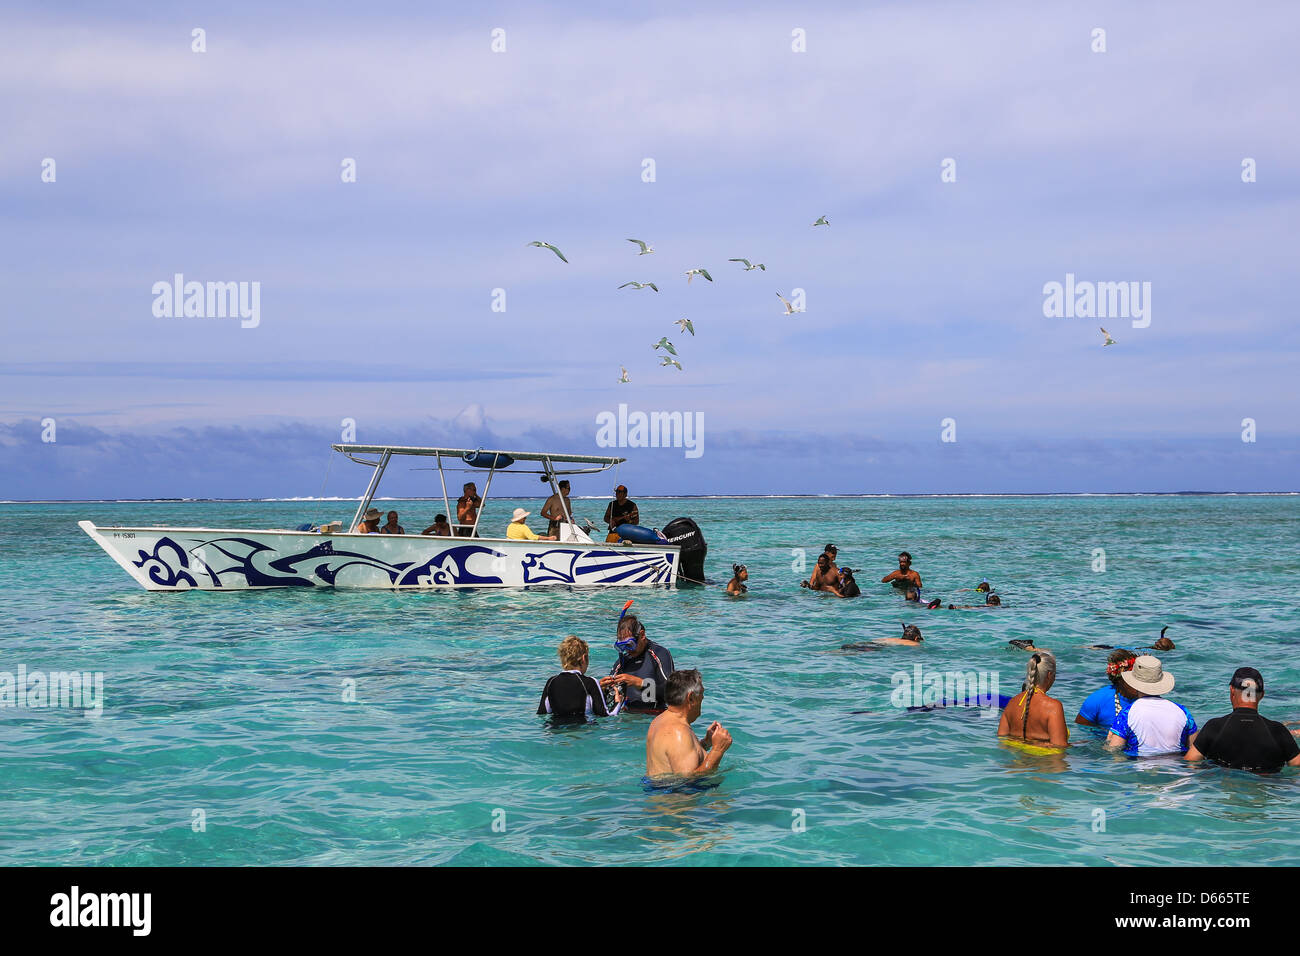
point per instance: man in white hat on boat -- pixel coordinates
(521, 532)
(1152, 725)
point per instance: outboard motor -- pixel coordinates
(685, 532)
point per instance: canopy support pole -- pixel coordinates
(371, 488)
(478, 515)
(446, 503)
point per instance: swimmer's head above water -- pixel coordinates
(912, 633)
(913, 594)
(993, 601)
(630, 638)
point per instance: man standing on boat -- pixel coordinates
(467, 506)
(556, 510)
(643, 668)
(622, 510)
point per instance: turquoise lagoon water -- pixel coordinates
(231, 704)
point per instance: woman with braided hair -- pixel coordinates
(1031, 716)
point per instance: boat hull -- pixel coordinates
(208, 559)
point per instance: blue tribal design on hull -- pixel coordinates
(159, 566)
(244, 562)
(604, 567)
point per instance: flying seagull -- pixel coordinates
(640, 285)
(663, 343)
(646, 248)
(673, 362)
(748, 267)
(692, 273)
(623, 379)
(685, 325)
(822, 221)
(789, 309)
(1109, 340)
(547, 245)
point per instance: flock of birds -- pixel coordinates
(685, 325)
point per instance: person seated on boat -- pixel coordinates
(822, 578)
(622, 510)
(573, 692)
(739, 575)
(556, 510)
(392, 527)
(439, 527)
(904, 577)
(1031, 716)
(467, 506)
(641, 673)
(519, 531)
(369, 523)
(671, 747)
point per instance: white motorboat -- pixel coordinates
(231, 559)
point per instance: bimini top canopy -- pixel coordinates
(477, 456)
(473, 458)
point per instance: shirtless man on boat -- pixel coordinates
(671, 747)
(467, 506)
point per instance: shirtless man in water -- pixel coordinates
(904, 576)
(671, 748)
(823, 578)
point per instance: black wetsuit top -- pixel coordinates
(1247, 741)
(653, 666)
(570, 694)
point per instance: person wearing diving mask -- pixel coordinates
(639, 677)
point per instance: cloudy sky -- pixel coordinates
(924, 298)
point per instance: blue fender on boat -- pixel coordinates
(639, 535)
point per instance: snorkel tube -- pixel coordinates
(622, 647)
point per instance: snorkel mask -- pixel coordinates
(627, 644)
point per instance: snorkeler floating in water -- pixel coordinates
(911, 637)
(991, 601)
(1161, 643)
